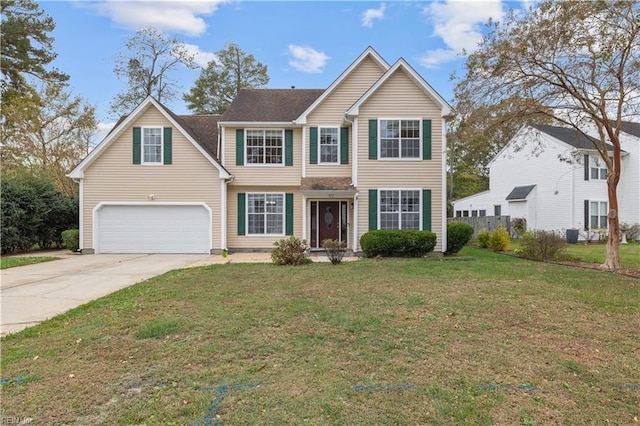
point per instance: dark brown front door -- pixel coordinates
(328, 221)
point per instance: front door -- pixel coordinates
(328, 221)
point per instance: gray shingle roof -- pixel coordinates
(204, 129)
(520, 192)
(270, 105)
(570, 136)
(631, 128)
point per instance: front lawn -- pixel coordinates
(478, 339)
(595, 253)
(12, 262)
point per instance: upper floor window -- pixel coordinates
(264, 146)
(152, 145)
(598, 168)
(400, 209)
(400, 139)
(329, 143)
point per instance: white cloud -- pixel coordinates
(307, 59)
(174, 16)
(102, 131)
(369, 15)
(201, 58)
(459, 24)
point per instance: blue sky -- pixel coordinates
(306, 44)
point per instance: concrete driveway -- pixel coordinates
(33, 293)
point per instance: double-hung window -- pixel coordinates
(265, 146)
(152, 145)
(598, 169)
(400, 209)
(329, 143)
(400, 139)
(265, 214)
(598, 214)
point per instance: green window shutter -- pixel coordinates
(288, 147)
(241, 213)
(586, 215)
(240, 147)
(167, 145)
(373, 139)
(426, 210)
(373, 209)
(288, 220)
(586, 167)
(313, 145)
(137, 145)
(344, 145)
(426, 139)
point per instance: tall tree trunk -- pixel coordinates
(612, 260)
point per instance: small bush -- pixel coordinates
(291, 251)
(499, 240)
(335, 250)
(484, 238)
(71, 239)
(458, 235)
(542, 245)
(519, 226)
(395, 242)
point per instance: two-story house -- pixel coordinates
(366, 153)
(555, 179)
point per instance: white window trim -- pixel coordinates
(142, 145)
(284, 214)
(418, 158)
(401, 189)
(324, 163)
(595, 162)
(284, 145)
(606, 213)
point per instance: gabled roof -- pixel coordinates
(570, 136)
(368, 53)
(401, 64)
(269, 105)
(631, 128)
(195, 128)
(520, 193)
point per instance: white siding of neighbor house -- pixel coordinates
(400, 97)
(532, 158)
(113, 177)
(629, 186)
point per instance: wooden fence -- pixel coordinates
(484, 222)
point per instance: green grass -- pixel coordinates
(595, 253)
(12, 262)
(490, 340)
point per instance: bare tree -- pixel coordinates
(148, 64)
(577, 63)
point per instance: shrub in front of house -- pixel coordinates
(291, 251)
(458, 235)
(335, 250)
(499, 240)
(484, 238)
(71, 239)
(542, 245)
(395, 242)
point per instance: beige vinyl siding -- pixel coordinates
(114, 177)
(400, 97)
(271, 175)
(331, 113)
(250, 242)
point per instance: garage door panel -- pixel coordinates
(153, 229)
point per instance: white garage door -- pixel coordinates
(153, 229)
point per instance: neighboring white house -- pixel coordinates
(554, 178)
